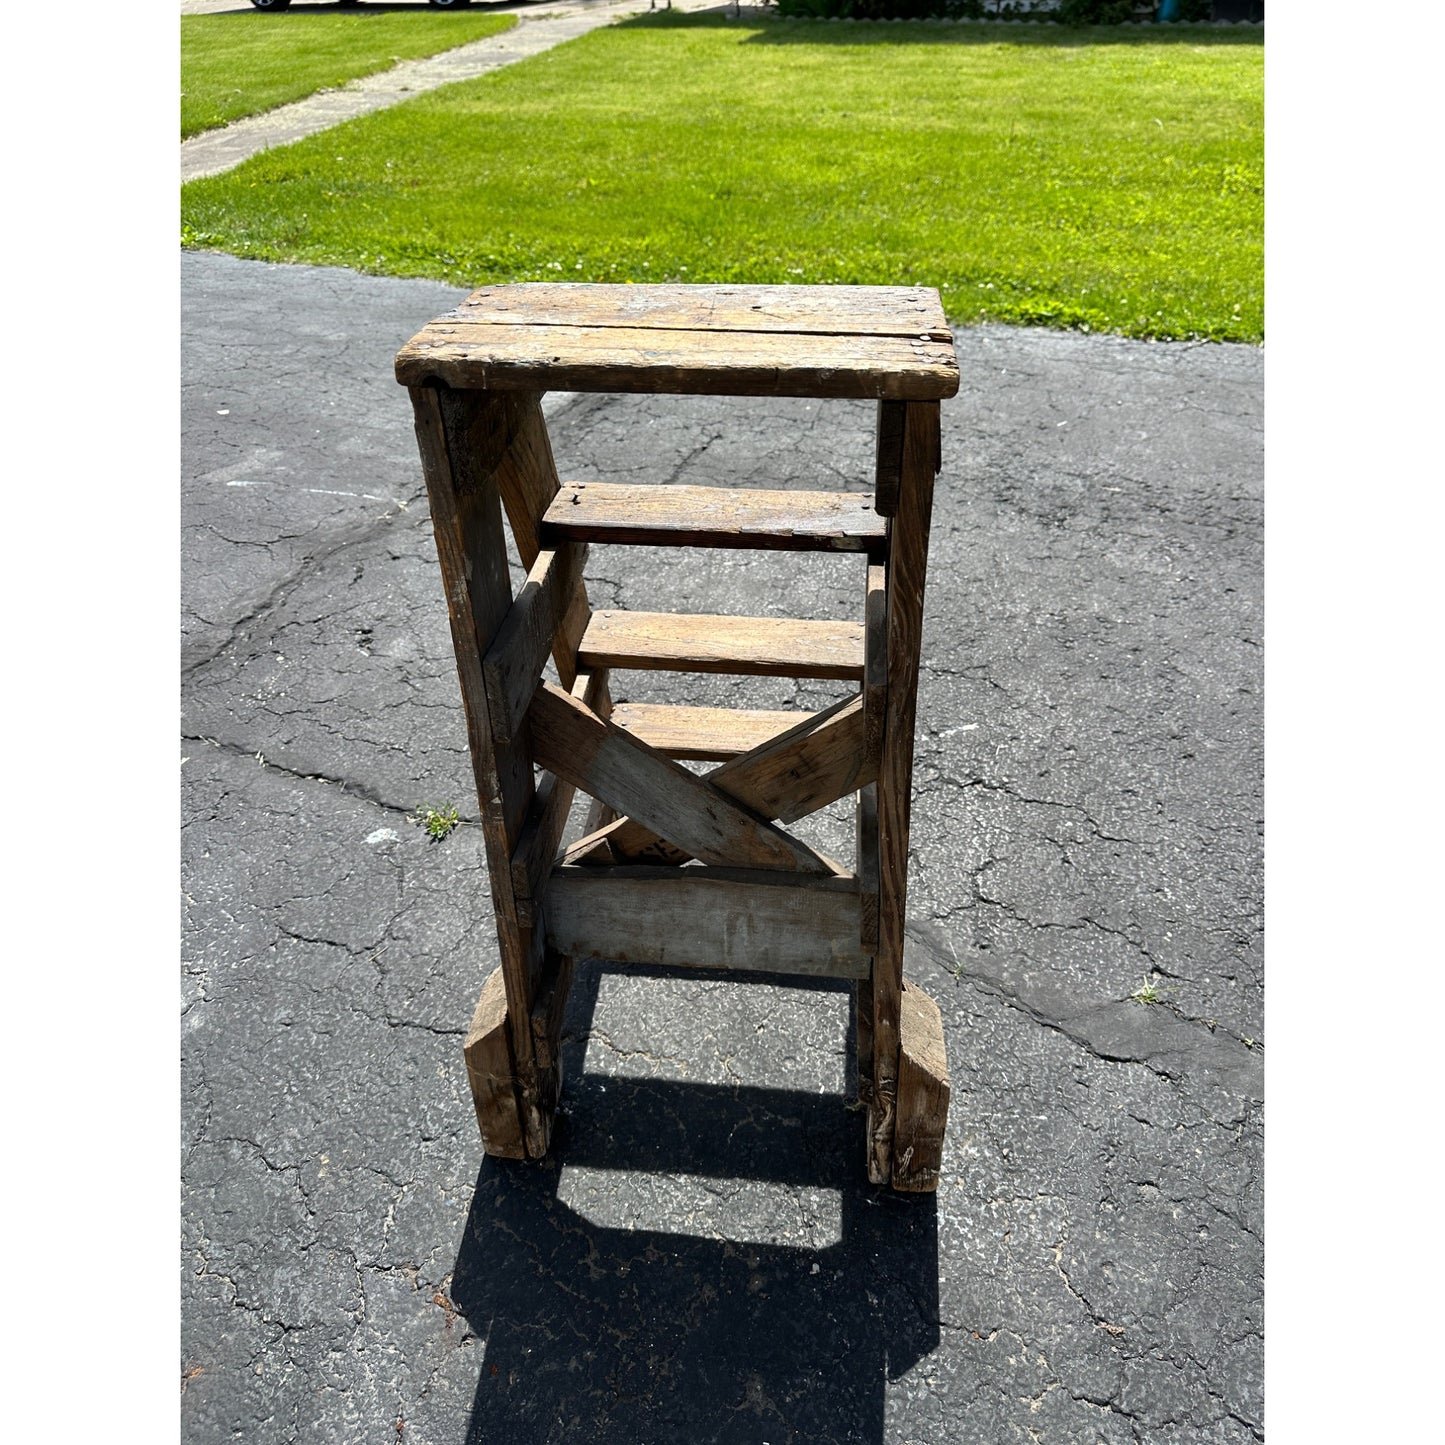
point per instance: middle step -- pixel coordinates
(784, 521)
(755, 646)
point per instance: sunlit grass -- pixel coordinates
(241, 62)
(1109, 179)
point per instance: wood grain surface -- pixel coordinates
(742, 517)
(750, 646)
(479, 355)
(704, 734)
(849, 310)
(707, 918)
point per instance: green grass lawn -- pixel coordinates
(1109, 179)
(239, 63)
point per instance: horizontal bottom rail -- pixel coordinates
(741, 919)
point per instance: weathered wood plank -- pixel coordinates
(704, 734)
(888, 457)
(748, 646)
(907, 573)
(604, 760)
(854, 310)
(513, 664)
(707, 918)
(463, 438)
(817, 761)
(490, 1073)
(923, 1093)
(541, 837)
(875, 657)
(475, 353)
(726, 517)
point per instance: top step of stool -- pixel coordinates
(886, 342)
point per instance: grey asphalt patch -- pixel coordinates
(702, 1259)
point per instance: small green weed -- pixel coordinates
(438, 822)
(1148, 992)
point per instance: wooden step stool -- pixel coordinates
(677, 868)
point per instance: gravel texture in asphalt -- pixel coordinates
(702, 1259)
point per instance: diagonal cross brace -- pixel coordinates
(605, 760)
(824, 758)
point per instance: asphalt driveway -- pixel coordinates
(703, 1260)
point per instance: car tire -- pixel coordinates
(450, 4)
(271, 4)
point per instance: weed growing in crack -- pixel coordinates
(438, 822)
(1148, 992)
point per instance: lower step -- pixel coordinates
(703, 734)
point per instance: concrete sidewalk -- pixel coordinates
(539, 27)
(703, 1260)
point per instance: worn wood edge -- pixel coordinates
(742, 920)
(923, 1094)
(491, 1075)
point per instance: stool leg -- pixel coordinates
(465, 439)
(907, 566)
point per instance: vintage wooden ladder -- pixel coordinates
(678, 868)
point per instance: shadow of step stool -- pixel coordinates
(678, 869)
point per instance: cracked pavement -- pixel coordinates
(702, 1259)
